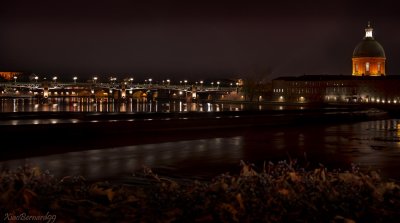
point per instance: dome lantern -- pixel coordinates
(368, 31)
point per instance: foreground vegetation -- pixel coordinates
(276, 193)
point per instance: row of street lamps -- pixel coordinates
(114, 79)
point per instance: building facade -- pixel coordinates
(337, 88)
(368, 82)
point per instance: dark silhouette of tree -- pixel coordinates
(256, 83)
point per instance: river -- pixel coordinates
(370, 145)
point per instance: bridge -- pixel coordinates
(119, 91)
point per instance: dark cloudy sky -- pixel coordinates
(191, 39)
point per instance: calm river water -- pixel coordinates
(110, 105)
(370, 144)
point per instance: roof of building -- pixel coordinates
(369, 47)
(336, 77)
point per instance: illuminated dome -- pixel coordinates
(369, 56)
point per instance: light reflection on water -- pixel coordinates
(97, 164)
(371, 144)
(75, 104)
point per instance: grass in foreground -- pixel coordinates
(278, 193)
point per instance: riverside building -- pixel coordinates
(368, 82)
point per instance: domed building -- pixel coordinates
(368, 83)
(369, 56)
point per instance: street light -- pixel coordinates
(131, 80)
(113, 79)
(94, 80)
(201, 84)
(218, 84)
(168, 81)
(150, 80)
(55, 79)
(185, 83)
(212, 84)
(36, 78)
(15, 79)
(75, 78)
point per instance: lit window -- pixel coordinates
(379, 67)
(367, 66)
(356, 68)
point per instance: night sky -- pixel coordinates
(191, 39)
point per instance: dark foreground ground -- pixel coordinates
(281, 192)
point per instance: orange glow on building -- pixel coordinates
(369, 66)
(9, 75)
